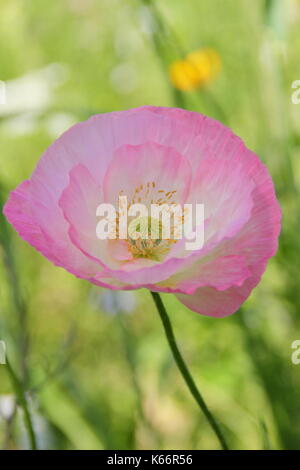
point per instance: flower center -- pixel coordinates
(145, 234)
(145, 239)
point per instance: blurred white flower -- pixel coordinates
(7, 406)
(114, 302)
(33, 91)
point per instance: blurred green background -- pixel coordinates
(95, 365)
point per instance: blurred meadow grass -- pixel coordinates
(97, 377)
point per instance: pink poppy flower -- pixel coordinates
(153, 153)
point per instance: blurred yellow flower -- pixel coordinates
(196, 70)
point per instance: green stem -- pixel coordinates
(14, 284)
(184, 370)
(17, 385)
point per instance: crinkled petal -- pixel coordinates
(215, 303)
(18, 211)
(221, 273)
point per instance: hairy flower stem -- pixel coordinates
(184, 370)
(18, 388)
